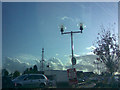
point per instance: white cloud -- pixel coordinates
(27, 58)
(90, 53)
(75, 20)
(91, 48)
(57, 54)
(75, 55)
(12, 64)
(65, 17)
(84, 63)
(69, 18)
(56, 64)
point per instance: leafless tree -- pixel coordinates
(107, 49)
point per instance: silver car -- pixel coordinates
(31, 81)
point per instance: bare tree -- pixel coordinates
(107, 49)
(16, 74)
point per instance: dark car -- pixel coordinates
(7, 82)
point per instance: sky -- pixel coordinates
(29, 27)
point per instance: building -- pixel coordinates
(59, 75)
(62, 76)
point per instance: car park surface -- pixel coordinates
(7, 82)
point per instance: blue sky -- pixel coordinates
(29, 27)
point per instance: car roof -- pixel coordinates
(35, 74)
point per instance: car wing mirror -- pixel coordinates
(25, 79)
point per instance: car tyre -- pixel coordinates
(42, 85)
(19, 85)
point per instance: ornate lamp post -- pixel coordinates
(71, 33)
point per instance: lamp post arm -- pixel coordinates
(76, 31)
(71, 32)
(65, 32)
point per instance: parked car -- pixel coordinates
(7, 82)
(81, 80)
(31, 81)
(94, 79)
(108, 82)
(117, 78)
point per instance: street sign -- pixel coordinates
(73, 60)
(72, 76)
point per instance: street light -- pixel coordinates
(71, 33)
(81, 27)
(62, 29)
(48, 66)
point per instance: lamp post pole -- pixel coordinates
(72, 47)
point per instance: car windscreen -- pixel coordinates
(21, 77)
(39, 77)
(34, 77)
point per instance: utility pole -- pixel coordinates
(42, 59)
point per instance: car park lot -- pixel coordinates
(24, 81)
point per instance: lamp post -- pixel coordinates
(71, 33)
(48, 66)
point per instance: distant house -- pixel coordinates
(80, 74)
(88, 74)
(61, 75)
